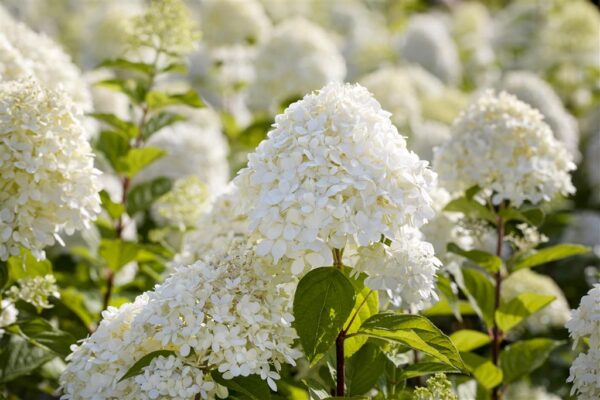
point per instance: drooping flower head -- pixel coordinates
(504, 146)
(48, 180)
(333, 172)
(230, 313)
(298, 57)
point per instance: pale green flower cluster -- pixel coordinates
(184, 204)
(438, 388)
(35, 290)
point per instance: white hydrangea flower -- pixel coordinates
(555, 314)
(35, 290)
(525, 391)
(297, 58)
(531, 89)
(195, 146)
(42, 58)
(585, 323)
(395, 91)
(184, 204)
(584, 229)
(46, 169)
(232, 22)
(333, 172)
(427, 42)
(406, 270)
(427, 135)
(231, 313)
(8, 314)
(503, 145)
(216, 230)
(592, 172)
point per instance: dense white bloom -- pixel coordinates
(585, 323)
(47, 176)
(533, 90)
(195, 146)
(297, 58)
(584, 229)
(184, 204)
(231, 22)
(333, 172)
(427, 42)
(8, 314)
(503, 145)
(555, 314)
(25, 53)
(524, 391)
(231, 313)
(395, 91)
(405, 270)
(35, 290)
(592, 172)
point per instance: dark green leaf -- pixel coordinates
(117, 252)
(532, 216)
(156, 100)
(139, 158)
(4, 275)
(251, 386)
(486, 373)
(467, 339)
(41, 332)
(141, 196)
(471, 208)
(364, 369)
(121, 126)
(481, 293)
(122, 63)
(136, 368)
(113, 145)
(549, 254)
(322, 303)
(425, 368)
(485, 260)
(20, 358)
(75, 302)
(159, 121)
(521, 358)
(512, 313)
(414, 331)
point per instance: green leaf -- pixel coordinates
(364, 369)
(467, 339)
(368, 301)
(115, 210)
(139, 158)
(322, 303)
(443, 307)
(471, 208)
(20, 358)
(136, 368)
(122, 63)
(251, 386)
(159, 121)
(113, 145)
(141, 196)
(532, 216)
(512, 313)
(135, 90)
(175, 68)
(125, 127)
(156, 100)
(521, 358)
(117, 252)
(486, 373)
(26, 265)
(43, 333)
(485, 260)
(414, 331)
(425, 368)
(4, 275)
(74, 300)
(481, 293)
(548, 254)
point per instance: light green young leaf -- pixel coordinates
(157, 100)
(480, 291)
(125, 127)
(368, 301)
(425, 368)
(122, 63)
(139, 158)
(548, 254)
(486, 373)
(467, 339)
(117, 252)
(322, 303)
(521, 358)
(485, 260)
(27, 266)
(471, 208)
(114, 210)
(516, 310)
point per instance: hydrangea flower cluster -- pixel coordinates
(230, 314)
(195, 146)
(405, 271)
(427, 42)
(585, 323)
(184, 204)
(230, 22)
(333, 172)
(48, 180)
(504, 146)
(297, 58)
(25, 53)
(35, 290)
(438, 388)
(554, 315)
